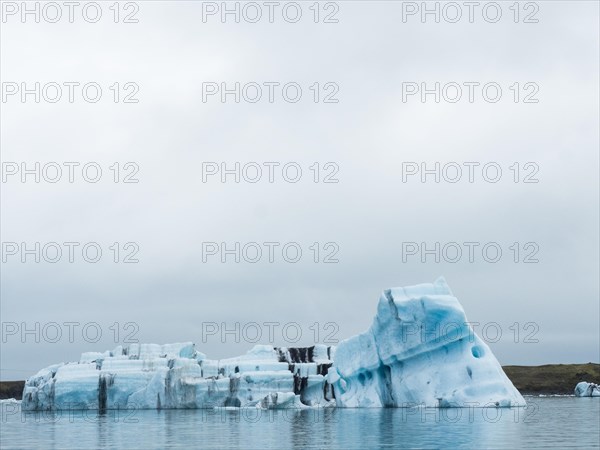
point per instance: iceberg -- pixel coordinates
(585, 389)
(419, 351)
(177, 376)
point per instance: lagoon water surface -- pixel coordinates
(547, 422)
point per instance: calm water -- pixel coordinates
(552, 422)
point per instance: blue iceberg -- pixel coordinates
(419, 351)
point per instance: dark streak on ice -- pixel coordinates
(233, 400)
(102, 394)
(300, 355)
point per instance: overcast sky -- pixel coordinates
(368, 215)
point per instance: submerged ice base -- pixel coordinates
(420, 350)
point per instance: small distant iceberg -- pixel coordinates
(419, 351)
(585, 389)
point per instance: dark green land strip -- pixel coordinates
(11, 389)
(552, 378)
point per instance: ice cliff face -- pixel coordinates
(418, 351)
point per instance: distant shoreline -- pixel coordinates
(549, 379)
